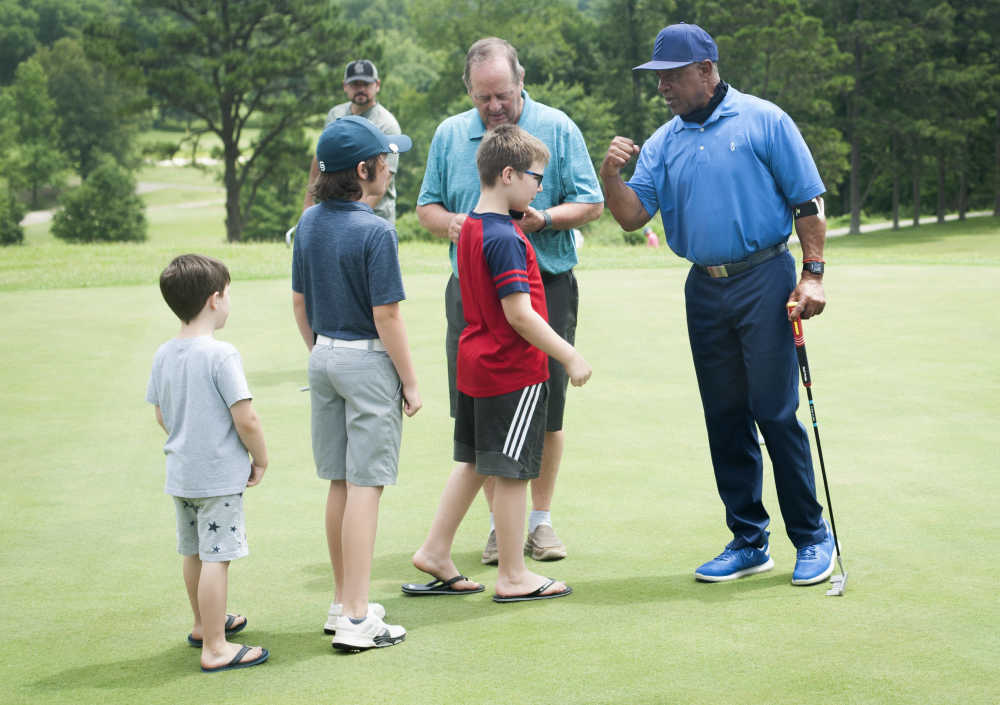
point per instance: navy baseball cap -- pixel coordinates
(679, 45)
(353, 139)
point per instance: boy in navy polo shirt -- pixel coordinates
(502, 373)
(346, 289)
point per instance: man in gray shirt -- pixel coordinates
(361, 84)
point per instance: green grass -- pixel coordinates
(904, 368)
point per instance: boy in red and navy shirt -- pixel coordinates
(502, 373)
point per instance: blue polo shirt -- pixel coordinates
(345, 260)
(452, 178)
(726, 189)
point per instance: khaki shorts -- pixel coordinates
(211, 527)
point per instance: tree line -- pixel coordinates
(898, 101)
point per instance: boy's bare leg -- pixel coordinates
(488, 492)
(543, 487)
(434, 556)
(213, 586)
(513, 578)
(192, 574)
(336, 499)
(360, 520)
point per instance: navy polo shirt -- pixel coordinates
(725, 189)
(345, 261)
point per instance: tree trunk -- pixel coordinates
(940, 189)
(855, 185)
(996, 168)
(895, 180)
(916, 186)
(963, 187)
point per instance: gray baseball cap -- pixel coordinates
(361, 70)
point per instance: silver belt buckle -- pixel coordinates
(717, 271)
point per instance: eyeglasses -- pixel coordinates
(538, 177)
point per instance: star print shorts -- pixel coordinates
(211, 527)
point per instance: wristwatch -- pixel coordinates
(813, 268)
(548, 219)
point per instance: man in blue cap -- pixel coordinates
(730, 173)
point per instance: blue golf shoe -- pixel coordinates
(735, 563)
(814, 563)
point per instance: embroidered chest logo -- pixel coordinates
(732, 146)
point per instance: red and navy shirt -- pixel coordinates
(496, 260)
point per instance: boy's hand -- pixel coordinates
(256, 474)
(411, 399)
(579, 370)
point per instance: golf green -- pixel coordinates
(904, 364)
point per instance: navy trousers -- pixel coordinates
(747, 370)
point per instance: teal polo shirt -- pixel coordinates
(725, 189)
(452, 179)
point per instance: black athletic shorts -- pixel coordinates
(503, 435)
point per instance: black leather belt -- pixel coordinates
(731, 269)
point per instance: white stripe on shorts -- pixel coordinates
(519, 425)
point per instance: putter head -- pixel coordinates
(838, 582)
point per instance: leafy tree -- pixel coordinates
(272, 200)
(231, 61)
(625, 32)
(775, 51)
(95, 110)
(17, 37)
(34, 158)
(104, 207)
(26, 25)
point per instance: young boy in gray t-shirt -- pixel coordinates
(203, 403)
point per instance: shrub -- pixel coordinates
(11, 212)
(409, 229)
(103, 208)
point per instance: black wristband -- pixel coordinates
(805, 209)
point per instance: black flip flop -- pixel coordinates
(536, 594)
(230, 629)
(439, 587)
(236, 663)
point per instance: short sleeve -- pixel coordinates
(792, 163)
(507, 261)
(578, 177)
(230, 380)
(385, 280)
(432, 188)
(643, 181)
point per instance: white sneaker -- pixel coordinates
(372, 633)
(337, 609)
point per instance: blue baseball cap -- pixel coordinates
(679, 45)
(353, 139)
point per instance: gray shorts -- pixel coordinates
(211, 527)
(357, 415)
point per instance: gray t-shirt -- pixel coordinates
(384, 121)
(194, 382)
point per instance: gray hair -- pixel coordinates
(490, 48)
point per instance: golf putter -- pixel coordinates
(837, 582)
